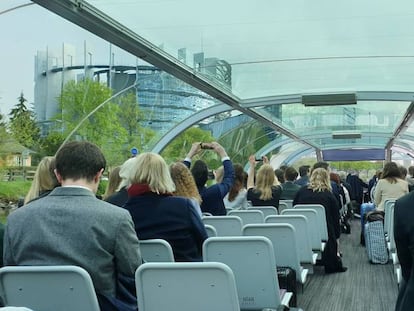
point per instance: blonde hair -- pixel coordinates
(185, 185)
(265, 179)
(150, 168)
(319, 180)
(113, 182)
(43, 180)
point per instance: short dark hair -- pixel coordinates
(321, 164)
(291, 173)
(79, 159)
(304, 170)
(200, 173)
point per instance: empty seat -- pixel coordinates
(248, 216)
(320, 210)
(186, 286)
(225, 225)
(303, 232)
(48, 288)
(156, 250)
(312, 216)
(211, 231)
(283, 237)
(252, 261)
(267, 210)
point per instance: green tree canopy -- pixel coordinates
(179, 147)
(22, 125)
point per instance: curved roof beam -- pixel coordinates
(88, 17)
(185, 124)
(402, 127)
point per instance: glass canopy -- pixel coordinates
(261, 58)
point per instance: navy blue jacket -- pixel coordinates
(171, 218)
(213, 196)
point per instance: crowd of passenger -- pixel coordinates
(63, 222)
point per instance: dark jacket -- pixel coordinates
(213, 196)
(329, 256)
(289, 190)
(171, 218)
(404, 242)
(118, 198)
(254, 197)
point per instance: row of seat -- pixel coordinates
(219, 283)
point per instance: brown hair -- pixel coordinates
(239, 176)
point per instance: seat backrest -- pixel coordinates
(313, 222)
(388, 210)
(320, 210)
(156, 250)
(390, 232)
(300, 223)
(249, 216)
(251, 258)
(186, 286)
(289, 203)
(283, 237)
(267, 210)
(225, 225)
(211, 231)
(48, 288)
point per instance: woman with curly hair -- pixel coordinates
(319, 191)
(185, 185)
(267, 189)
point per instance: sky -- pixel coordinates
(28, 29)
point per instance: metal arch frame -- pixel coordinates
(186, 123)
(88, 17)
(85, 15)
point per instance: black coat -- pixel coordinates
(404, 241)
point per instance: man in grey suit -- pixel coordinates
(71, 226)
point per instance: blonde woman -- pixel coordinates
(266, 190)
(44, 180)
(158, 214)
(185, 185)
(319, 191)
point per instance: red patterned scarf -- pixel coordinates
(140, 189)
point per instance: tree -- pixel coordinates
(103, 127)
(3, 128)
(179, 147)
(22, 125)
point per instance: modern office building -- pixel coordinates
(165, 99)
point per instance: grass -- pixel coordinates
(13, 190)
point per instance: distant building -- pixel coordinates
(164, 99)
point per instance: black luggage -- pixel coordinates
(287, 280)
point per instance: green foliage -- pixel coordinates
(23, 125)
(103, 127)
(13, 190)
(356, 165)
(179, 147)
(244, 140)
(51, 143)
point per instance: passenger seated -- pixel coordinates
(289, 188)
(237, 196)
(319, 191)
(266, 190)
(212, 196)
(70, 226)
(158, 214)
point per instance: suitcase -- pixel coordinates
(365, 208)
(287, 280)
(375, 242)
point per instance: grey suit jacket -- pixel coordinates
(71, 226)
